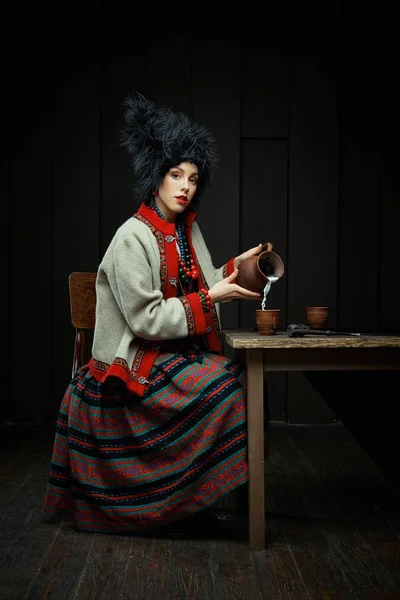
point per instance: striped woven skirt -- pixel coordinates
(124, 463)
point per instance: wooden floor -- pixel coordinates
(334, 526)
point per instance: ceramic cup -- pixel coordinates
(267, 321)
(317, 316)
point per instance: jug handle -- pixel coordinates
(267, 247)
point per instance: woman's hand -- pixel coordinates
(252, 252)
(226, 289)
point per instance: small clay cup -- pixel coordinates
(317, 316)
(267, 321)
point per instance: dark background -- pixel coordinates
(307, 124)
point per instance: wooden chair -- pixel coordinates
(82, 296)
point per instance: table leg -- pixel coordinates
(255, 431)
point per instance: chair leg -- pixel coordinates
(76, 360)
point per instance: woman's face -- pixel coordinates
(177, 190)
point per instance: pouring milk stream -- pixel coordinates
(271, 280)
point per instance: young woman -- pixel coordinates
(153, 429)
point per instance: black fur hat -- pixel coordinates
(159, 139)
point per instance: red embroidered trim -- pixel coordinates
(189, 315)
(138, 360)
(136, 378)
(215, 321)
(161, 247)
(121, 362)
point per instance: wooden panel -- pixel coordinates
(387, 99)
(389, 247)
(216, 105)
(31, 210)
(76, 199)
(312, 251)
(265, 102)
(358, 237)
(5, 192)
(358, 231)
(120, 75)
(263, 217)
(168, 69)
(312, 241)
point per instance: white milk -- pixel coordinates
(271, 280)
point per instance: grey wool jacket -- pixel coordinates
(138, 301)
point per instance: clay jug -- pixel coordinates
(254, 271)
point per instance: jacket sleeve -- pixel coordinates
(133, 276)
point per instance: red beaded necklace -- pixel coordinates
(187, 268)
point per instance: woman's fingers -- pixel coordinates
(232, 276)
(253, 251)
(246, 293)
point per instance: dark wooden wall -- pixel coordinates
(305, 164)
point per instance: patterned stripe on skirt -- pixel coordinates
(121, 462)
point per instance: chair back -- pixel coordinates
(82, 297)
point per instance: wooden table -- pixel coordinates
(282, 353)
